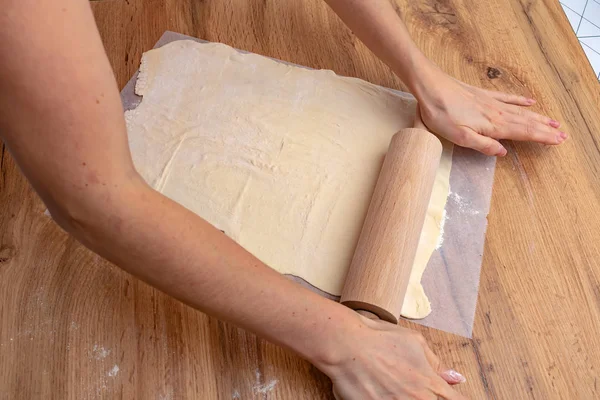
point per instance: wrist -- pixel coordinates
(336, 343)
(421, 76)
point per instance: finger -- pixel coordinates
(483, 144)
(336, 396)
(520, 112)
(527, 125)
(445, 391)
(451, 376)
(530, 131)
(432, 359)
(418, 123)
(511, 98)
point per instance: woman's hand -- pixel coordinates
(384, 361)
(466, 115)
(476, 118)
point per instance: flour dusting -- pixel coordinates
(236, 395)
(440, 240)
(99, 352)
(114, 371)
(168, 394)
(263, 388)
(267, 387)
(464, 205)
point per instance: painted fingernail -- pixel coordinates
(455, 376)
(561, 137)
(554, 123)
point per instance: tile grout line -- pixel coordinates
(583, 12)
(588, 46)
(581, 18)
(589, 22)
(563, 6)
(579, 15)
(566, 6)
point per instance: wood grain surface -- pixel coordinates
(75, 327)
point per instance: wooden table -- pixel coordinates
(75, 327)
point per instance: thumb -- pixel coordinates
(418, 122)
(451, 376)
(336, 396)
(481, 143)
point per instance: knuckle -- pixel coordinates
(520, 111)
(498, 130)
(461, 138)
(530, 127)
(539, 118)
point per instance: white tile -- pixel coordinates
(586, 28)
(593, 57)
(575, 5)
(573, 17)
(592, 12)
(593, 42)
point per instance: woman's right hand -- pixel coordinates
(386, 361)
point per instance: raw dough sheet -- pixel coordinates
(282, 159)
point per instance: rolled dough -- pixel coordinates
(283, 159)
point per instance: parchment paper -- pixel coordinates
(451, 279)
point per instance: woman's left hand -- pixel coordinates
(477, 118)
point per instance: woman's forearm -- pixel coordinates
(179, 253)
(61, 117)
(377, 25)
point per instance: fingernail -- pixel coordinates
(502, 152)
(455, 376)
(530, 101)
(561, 137)
(554, 123)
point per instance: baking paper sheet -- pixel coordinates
(451, 279)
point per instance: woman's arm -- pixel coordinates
(466, 115)
(61, 118)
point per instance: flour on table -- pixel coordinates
(263, 388)
(114, 371)
(283, 159)
(99, 352)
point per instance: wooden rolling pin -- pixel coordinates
(386, 249)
